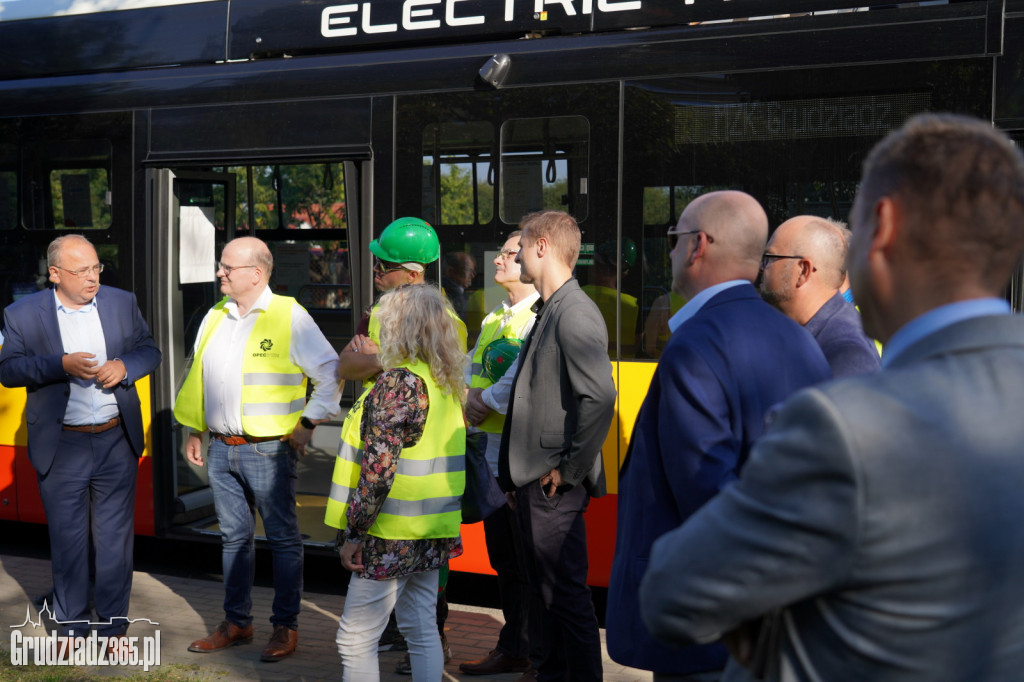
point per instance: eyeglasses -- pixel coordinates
(82, 272)
(673, 237)
(382, 268)
(508, 253)
(767, 259)
(228, 268)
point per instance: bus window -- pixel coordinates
(291, 197)
(544, 165)
(661, 209)
(458, 175)
(75, 192)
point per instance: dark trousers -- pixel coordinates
(89, 495)
(564, 634)
(503, 549)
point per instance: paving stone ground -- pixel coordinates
(187, 608)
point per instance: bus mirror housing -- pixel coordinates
(495, 71)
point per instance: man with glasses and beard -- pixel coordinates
(801, 272)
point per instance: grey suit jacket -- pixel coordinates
(563, 397)
(884, 514)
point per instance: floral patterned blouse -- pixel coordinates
(394, 416)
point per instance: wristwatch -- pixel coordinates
(307, 423)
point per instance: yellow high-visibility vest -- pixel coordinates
(426, 496)
(273, 388)
(489, 331)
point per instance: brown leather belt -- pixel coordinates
(93, 428)
(242, 440)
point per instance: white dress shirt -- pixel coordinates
(222, 365)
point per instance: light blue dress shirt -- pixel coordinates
(693, 306)
(81, 331)
(940, 318)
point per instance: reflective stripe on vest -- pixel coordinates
(425, 500)
(489, 331)
(273, 389)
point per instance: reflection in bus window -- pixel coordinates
(544, 165)
(458, 175)
(315, 272)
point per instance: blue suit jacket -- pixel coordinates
(720, 374)
(882, 514)
(32, 357)
(837, 329)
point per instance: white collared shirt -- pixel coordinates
(82, 331)
(222, 365)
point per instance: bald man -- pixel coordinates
(730, 358)
(802, 271)
(247, 389)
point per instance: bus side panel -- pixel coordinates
(13, 439)
(631, 380)
(8, 489)
(30, 503)
(145, 511)
(19, 488)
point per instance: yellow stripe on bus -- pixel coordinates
(14, 431)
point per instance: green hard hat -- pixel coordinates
(608, 252)
(498, 357)
(407, 240)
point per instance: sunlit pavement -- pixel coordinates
(186, 609)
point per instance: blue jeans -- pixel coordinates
(244, 478)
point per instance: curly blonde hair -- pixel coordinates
(416, 323)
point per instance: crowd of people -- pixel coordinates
(792, 506)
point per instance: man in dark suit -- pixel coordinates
(879, 520)
(562, 403)
(79, 351)
(730, 359)
(801, 273)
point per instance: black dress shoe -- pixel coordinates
(495, 663)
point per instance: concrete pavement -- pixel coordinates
(186, 608)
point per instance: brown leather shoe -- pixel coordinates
(281, 645)
(227, 634)
(495, 663)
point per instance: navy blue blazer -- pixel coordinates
(720, 374)
(838, 330)
(32, 357)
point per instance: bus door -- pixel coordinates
(472, 165)
(193, 217)
(304, 211)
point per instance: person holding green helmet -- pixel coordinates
(401, 253)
